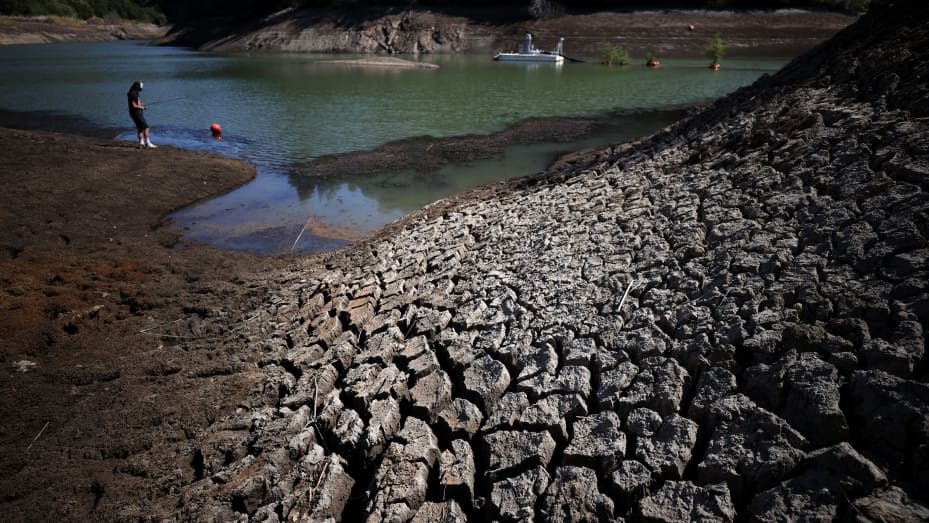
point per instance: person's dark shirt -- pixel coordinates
(133, 97)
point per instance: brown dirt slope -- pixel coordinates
(107, 331)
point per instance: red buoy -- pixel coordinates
(217, 131)
(691, 27)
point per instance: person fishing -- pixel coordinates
(136, 111)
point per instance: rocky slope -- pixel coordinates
(16, 30)
(724, 321)
(493, 29)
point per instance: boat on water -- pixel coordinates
(526, 52)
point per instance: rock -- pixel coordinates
(614, 382)
(430, 321)
(323, 493)
(536, 360)
(349, 429)
(408, 350)
(425, 364)
(469, 315)
(570, 379)
(712, 384)
(750, 449)
(573, 496)
(456, 472)
(668, 451)
(813, 338)
(369, 382)
(890, 505)
(764, 383)
(515, 450)
(845, 467)
(811, 404)
(598, 443)
(514, 499)
(684, 501)
(797, 499)
(461, 419)
(879, 354)
(402, 479)
(642, 343)
(552, 413)
(580, 352)
(508, 410)
(384, 423)
(890, 415)
(431, 395)
(643, 422)
(485, 381)
(659, 385)
(630, 481)
(460, 354)
(446, 512)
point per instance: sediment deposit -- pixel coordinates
(724, 321)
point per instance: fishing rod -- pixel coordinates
(166, 101)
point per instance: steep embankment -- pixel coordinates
(16, 30)
(726, 320)
(414, 31)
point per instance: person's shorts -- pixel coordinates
(140, 123)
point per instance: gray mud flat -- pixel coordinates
(724, 321)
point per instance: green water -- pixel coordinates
(281, 112)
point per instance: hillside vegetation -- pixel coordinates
(143, 11)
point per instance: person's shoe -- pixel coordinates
(150, 145)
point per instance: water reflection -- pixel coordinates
(267, 215)
(284, 112)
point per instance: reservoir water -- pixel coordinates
(281, 112)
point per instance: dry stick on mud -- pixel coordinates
(143, 331)
(313, 421)
(319, 480)
(305, 225)
(629, 288)
(36, 438)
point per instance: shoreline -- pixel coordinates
(761, 33)
(750, 32)
(99, 312)
(425, 155)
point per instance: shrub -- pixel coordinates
(716, 48)
(610, 54)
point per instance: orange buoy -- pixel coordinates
(216, 129)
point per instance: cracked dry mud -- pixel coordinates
(724, 321)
